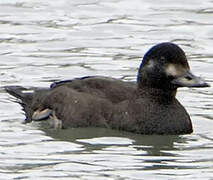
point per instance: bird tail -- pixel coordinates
(24, 94)
(25, 98)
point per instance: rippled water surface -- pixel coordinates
(43, 40)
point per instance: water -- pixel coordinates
(43, 41)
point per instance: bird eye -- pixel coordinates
(163, 59)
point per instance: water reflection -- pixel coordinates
(152, 153)
(152, 144)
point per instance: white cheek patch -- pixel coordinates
(173, 70)
(150, 64)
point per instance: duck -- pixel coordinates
(146, 106)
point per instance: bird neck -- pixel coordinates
(163, 95)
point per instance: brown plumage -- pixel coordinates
(147, 107)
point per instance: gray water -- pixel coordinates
(42, 41)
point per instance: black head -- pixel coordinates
(165, 67)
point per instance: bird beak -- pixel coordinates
(189, 80)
